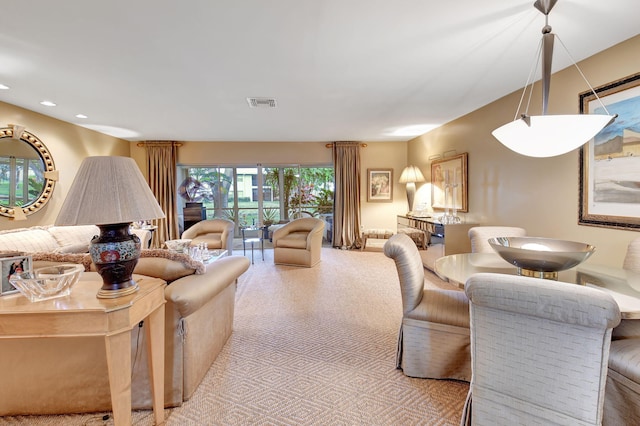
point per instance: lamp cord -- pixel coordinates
(529, 83)
(583, 76)
(534, 69)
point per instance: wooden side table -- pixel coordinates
(82, 314)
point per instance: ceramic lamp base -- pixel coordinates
(115, 253)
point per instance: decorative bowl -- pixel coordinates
(178, 246)
(47, 283)
(541, 257)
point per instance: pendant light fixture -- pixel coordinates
(549, 135)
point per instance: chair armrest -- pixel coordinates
(190, 293)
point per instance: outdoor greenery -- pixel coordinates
(308, 189)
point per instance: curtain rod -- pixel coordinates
(143, 144)
(330, 145)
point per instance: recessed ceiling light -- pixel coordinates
(3, 87)
(81, 116)
(48, 103)
(414, 130)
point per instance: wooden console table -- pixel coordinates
(453, 238)
(82, 314)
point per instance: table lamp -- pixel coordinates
(111, 192)
(410, 175)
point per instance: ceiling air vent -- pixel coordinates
(261, 102)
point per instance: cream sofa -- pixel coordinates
(69, 375)
(57, 239)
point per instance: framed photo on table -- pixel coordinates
(610, 162)
(13, 265)
(379, 185)
(449, 183)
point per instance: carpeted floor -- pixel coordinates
(310, 347)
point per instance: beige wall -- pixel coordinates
(376, 155)
(384, 155)
(68, 145)
(539, 194)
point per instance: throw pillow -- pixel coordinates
(167, 265)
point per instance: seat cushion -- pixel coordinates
(442, 306)
(296, 240)
(74, 235)
(30, 240)
(624, 358)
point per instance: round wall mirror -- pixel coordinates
(27, 173)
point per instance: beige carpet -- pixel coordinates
(310, 347)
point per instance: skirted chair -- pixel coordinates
(433, 341)
(299, 242)
(539, 351)
(622, 396)
(217, 233)
(479, 236)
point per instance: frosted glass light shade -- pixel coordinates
(550, 135)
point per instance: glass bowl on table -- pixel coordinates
(47, 283)
(541, 257)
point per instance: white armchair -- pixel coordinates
(299, 242)
(217, 233)
(539, 351)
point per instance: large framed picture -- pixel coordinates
(13, 265)
(449, 183)
(610, 162)
(380, 185)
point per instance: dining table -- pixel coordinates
(622, 284)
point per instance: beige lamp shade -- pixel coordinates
(411, 174)
(108, 190)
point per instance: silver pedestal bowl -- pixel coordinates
(541, 257)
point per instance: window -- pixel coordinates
(259, 195)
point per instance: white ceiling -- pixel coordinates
(338, 69)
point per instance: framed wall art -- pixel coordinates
(449, 183)
(380, 185)
(12, 265)
(610, 162)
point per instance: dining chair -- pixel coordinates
(539, 351)
(622, 396)
(479, 236)
(632, 256)
(433, 341)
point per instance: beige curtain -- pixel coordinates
(162, 160)
(346, 212)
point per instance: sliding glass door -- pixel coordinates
(259, 195)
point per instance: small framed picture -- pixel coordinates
(380, 185)
(13, 265)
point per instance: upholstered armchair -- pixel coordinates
(479, 236)
(433, 341)
(539, 351)
(217, 233)
(298, 242)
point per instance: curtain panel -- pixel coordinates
(162, 161)
(346, 215)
